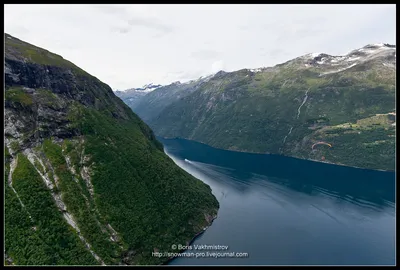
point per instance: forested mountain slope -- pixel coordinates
(86, 182)
(347, 102)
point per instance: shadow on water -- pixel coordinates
(377, 187)
(287, 211)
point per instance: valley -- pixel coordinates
(347, 101)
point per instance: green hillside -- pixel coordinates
(287, 108)
(86, 182)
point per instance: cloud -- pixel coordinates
(151, 24)
(217, 66)
(122, 30)
(298, 31)
(19, 30)
(244, 27)
(112, 9)
(173, 75)
(183, 76)
(205, 54)
(139, 44)
(276, 52)
(146, 23)
(133, 16)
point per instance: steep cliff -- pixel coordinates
(86, 182)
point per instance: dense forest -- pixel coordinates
(86, 181)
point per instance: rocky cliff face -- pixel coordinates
(79, 190)
(40, 88)
(346, 101)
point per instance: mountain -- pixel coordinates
(78, 190)
(153, 103)
(133, 96)
(347, 102)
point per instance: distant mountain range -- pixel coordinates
(132, 96)
(346, 101)
(145, 88)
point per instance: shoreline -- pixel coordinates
(190, 242)
(266, 153)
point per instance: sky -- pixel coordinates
(127, 46)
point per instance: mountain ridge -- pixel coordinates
(78, 191)
(308, 55)
(284, 108)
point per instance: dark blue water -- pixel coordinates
(286, 211)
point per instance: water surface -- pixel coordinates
(286, 211)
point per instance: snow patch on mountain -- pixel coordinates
(365, 53)
(144, 89)
(200, 79)
(255, 70)
(338, 63)
(351, 59)
(333, 64)
(337, 70)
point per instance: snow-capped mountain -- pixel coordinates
(202, 79)
(328, 64)
(385, 53)
(145, 88)
(347, 100)
(133, 95)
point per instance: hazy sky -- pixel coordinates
(128, 46)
